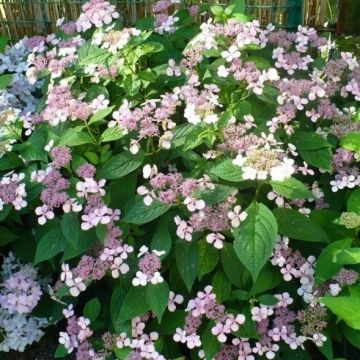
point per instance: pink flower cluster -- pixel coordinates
(164, 23)
(149, 267)
(12, 191)
(111, 258)
(172, 188)
(97, 13)
(205, 305)
(76, 334)
(143, 344)
(61, 106)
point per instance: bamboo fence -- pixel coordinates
(38, 17)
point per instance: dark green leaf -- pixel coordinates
(226, 170)
(52, 243)
(70, 228)
(292, 189)
(326, 267)
(255, 238)
(221, 286)
(297, 226)
(157, 296)
(92, 309)
(121, 165)
(134, 303)
(353, 203)
(208, 258)
(233, 268)
(187, 261)
(139, 213)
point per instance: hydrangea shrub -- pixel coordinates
(180, 190)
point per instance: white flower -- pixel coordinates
(66, 274)
(76, 286)
(190, 114)
(261, 313)
(237, 216)
(119, 267)
(44, 214)
(139, 279)
(193, 204)
(283, 171)
(72, 205)
(173, 300)
(231, 54)
(49, 145)
(157, 278)
(134, 147)
(239, 160)
(216, 239)
(222, 71)
(149, 171)
(279, 200)
(334, 289)
(69, 311)
(180, 335)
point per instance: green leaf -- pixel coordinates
(6, 236)
(239, 6)
(320, 158)
(233, 268)
(111, 134)
(208, 258)
(314, 149)
(353, 203)
(179, 134)
(212, 197)
(267, 279)
(161, 239)
(351, 141)
(345, 308)
(268, 299)
(157, 296)
(60, 351)
(100, 114)
(353, 336)
(255, 238)
(291, 189)
(187, 261)
(122, 354)
(75, 137)
(117, 298)
(3, 42)
(139, 213)
(221, 286)
(297, 226)
(121, 165)
(327, 349)
(269, 95)
(49, 245)
(217, 10)
(209, 342)
(348, 257)
(5, 80)
(70, 228)
(134, 303)
(89, 54)
(85, 241)
(92, 309)
(326, 267)
(226, 170)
